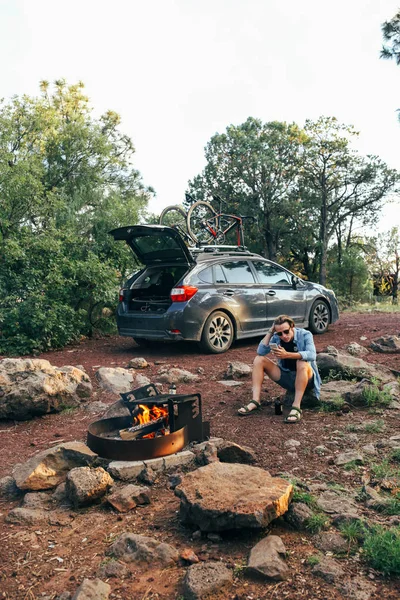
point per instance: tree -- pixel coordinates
(253, 167)
(337, 186)
(391, 34)
(66, 178)
(386, 263)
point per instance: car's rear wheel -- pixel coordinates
(218, 333)
(319, 317)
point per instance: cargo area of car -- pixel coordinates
(151, 291)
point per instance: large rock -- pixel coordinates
(31, 387)
(349, 367)
(389, 344)
(116, 380)
(267, 559)
(223, 496)
(128, 497)
(238, 369)
(84, 485)
(131, 547)
(92, 589)
(206, 580)
(174, 375)
(48, 468)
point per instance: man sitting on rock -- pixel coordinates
(296, 370)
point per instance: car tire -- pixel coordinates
(218, 333)
(319, 317)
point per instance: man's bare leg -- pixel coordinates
(261, 365)
(304, 373)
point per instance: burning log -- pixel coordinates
(143, 429)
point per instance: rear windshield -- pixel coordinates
(157, 246)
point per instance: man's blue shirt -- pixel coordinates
(304, 342)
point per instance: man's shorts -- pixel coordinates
(288, 379)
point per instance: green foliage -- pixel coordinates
(381, 549)
(313, 559)
(66, 179)
(384, 470)
(391, 34)
(349, 274)
(305, 497)
(373, 396)
(335, 405)
(395, 455)
(352, 465)
(374, 427)
(317, 522)
(353, 530)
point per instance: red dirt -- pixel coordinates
(29, 556)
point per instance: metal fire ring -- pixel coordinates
(132, 449)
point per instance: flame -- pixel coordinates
(150, 413)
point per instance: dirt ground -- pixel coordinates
(41, 562)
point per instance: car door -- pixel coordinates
(235, 281)
(281, 298)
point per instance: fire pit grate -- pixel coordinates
(180, 423)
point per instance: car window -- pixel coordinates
(219, 274)
(271, 274)
(206, 275)
(238, 272)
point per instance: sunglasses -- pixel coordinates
(280, 333)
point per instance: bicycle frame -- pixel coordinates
(237, 222)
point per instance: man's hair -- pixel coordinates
(284, 319)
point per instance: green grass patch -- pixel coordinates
(381, 549)
(313, 560)
(317, 522)
(305, 497)
(384, 470)
(335, 405)
(353, 465)
(395, 455)
(373, 396)
(375, 427)
(354, 531)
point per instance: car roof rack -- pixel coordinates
(219, 249)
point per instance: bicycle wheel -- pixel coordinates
(174, 216)
(202, 223)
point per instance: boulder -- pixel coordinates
(329, 569)
(173, 375)
(117, 409)
(128, 497)
(389, 344)
(207, 580)
(32, 387)
(331, 542)
(48, 468)
(267, 559)
(84, 485)
(9, 489)
(116, 380)
(238, 370)
(336, 504)
(91, 589)
(298, 515)
(224, 496)
(26, 516)
(131, 547)
(356, 349)
(138, 363)
(349, 367)
(112, 568)
(229, 452)
(349, 457)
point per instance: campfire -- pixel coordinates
(158, 425)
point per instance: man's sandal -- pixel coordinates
(246, 410)
(294, 416)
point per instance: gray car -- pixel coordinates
(211, 295)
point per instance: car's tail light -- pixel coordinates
(121, 295)
(183, 293)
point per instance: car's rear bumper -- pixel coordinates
(171, 325)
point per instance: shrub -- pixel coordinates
(317, 522)
(381, 549)
(373, 396)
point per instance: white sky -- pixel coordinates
(178, 71)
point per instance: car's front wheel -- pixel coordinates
(218, 333)
(319, 317)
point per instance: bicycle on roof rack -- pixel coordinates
(204, 225)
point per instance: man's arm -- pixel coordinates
(263, 346)
(308, 351)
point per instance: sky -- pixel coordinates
(179, 71)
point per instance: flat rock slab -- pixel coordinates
(223, 496)
(206, 580)
(116, 380)
(92, 589)
(128, 497)
(131, 547)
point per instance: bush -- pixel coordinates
(382, 549)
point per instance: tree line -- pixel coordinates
(68, 177)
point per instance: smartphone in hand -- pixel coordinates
(273, 345)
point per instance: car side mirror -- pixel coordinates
(295, 282)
